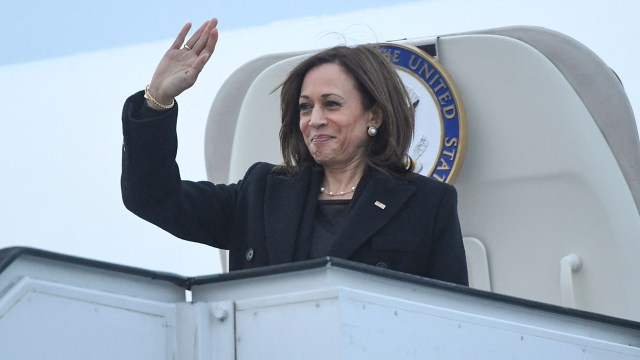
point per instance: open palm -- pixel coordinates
(180, 66)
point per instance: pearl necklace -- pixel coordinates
(341, 193)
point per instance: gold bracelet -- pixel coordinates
(155, 102)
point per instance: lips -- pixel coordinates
(320, 138)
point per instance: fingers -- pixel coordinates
(177, 43)
(181, 65)
(207, 39)
(213, 37)
(206, 45)
(191, 43)
(205, 55)
(200, 62)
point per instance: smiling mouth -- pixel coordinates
(320, 138)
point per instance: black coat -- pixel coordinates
(405, 224)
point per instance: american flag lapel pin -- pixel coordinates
(380, 205)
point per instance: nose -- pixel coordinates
(317, 117)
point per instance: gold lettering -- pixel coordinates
(443, 165)
(396, 56)
(439, 178)
(392, 56)
(441, 84)
(450, 154)
(412, 64)
(448, 142)
(444, 97)
(434, 79)
(449, 111)
(425, 71)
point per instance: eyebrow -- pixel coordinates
(323, 96)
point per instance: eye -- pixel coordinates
(305, 107)
(330, 104)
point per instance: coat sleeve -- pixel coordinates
(447, 259)
(151, 184)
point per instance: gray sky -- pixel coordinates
(38, 29)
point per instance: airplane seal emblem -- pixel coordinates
(439, 139)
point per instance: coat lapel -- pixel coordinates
(381, 199)
(286, 202)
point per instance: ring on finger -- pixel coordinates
(185, 46)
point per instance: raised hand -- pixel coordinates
(181, 64)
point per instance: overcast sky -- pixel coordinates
(37, 29)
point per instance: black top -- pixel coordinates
(327, 223)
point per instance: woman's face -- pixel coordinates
(332, 118)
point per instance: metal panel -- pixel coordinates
(352, 311)
(44, 320)
(54, 306)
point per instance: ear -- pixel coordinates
(376, 116)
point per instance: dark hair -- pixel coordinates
(379, 86)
